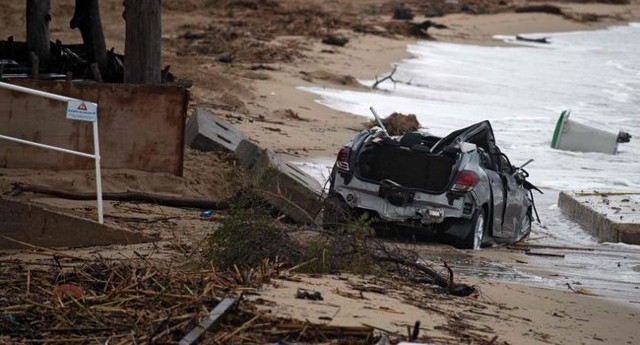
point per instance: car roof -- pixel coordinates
(480, 134)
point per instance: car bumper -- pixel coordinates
(426, 208)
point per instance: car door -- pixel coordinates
(514, 209)
(515, 206)
(499, 202)
(489, 164)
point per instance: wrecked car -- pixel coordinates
(460, 186)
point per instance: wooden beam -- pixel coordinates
(212, 319)
(86, 18)
(143, 42)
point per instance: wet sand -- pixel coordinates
(531, 314)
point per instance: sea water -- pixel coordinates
(521, 90)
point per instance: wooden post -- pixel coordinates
(38, 19)
(86, 18)
(143, 42)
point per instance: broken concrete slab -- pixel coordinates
(291, 190)
(611, 217)
(282, 184)
(42, 226)
(206, 132)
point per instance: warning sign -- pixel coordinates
(82, 110)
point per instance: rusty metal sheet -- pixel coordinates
(141, 127)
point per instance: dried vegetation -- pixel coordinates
(147, 299)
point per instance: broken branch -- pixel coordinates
(389, 77)
(163, 200)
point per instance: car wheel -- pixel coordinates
(336, 213)
(474, 238)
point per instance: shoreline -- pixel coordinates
(554, 312)
(345, 65)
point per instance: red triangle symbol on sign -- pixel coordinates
(82, 106)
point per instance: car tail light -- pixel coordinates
(343, 159)
(465, 181)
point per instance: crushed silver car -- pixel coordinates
(460, 186)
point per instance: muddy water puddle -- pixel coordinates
(604, 271)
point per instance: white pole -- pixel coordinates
(96, 153)
(82, 154)
(34, 92)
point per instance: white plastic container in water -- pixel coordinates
(573, 136)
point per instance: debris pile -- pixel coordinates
(74, 300)
(66, 62)
(248, 31)
(398, 123)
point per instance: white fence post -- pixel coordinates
(96, 140)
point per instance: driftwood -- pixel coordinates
(457, 289)
(163, 200)
(435, 276)
(389, 77)
(544, 40)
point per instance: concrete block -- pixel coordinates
(610, 217)
(206, 132)
(281, 183)
(45, 227)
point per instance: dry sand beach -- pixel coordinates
(256, 89)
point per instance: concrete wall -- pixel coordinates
(598, 219)
(141, 127)
(40, 226)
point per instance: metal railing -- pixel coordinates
(96, 141)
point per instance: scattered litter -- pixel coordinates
(335, 40)
(68, 290)
(581, 291)
(206, 213)
(310, 295)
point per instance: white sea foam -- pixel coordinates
(522, 91)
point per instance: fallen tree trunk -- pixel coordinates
(163, 200)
